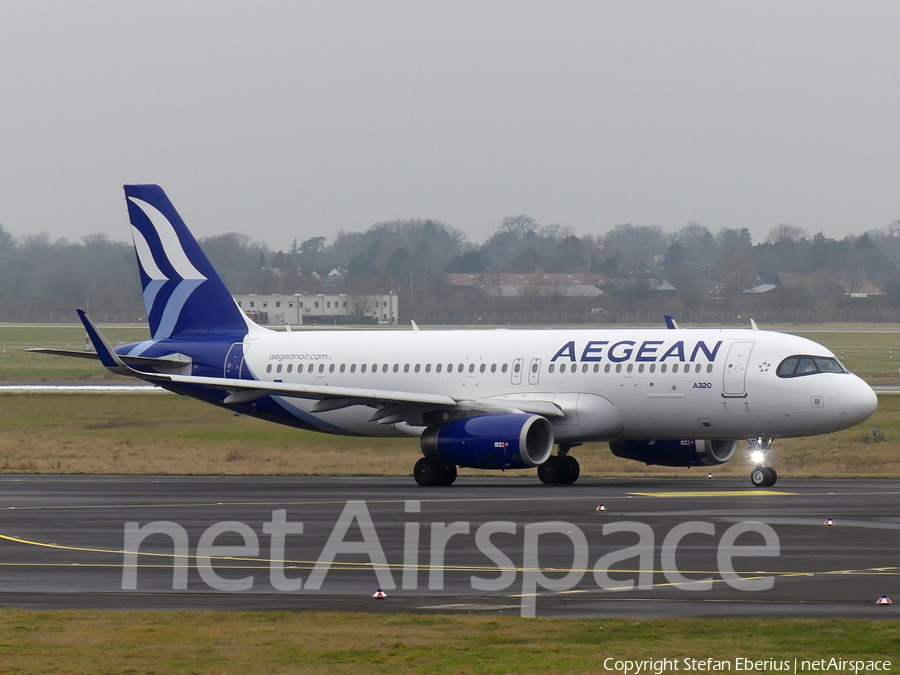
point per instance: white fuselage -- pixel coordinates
(611, 384)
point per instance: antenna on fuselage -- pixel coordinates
(670, 323)
(753, 325)
(414, 326)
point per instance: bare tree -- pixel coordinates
(785, 232)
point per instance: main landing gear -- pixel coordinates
(428, 472)
(560, 469)
(761, 476)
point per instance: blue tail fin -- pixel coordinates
(183, 294)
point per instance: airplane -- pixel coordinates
(486, 399)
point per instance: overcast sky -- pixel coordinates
(295, 119)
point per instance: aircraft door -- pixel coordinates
(735, 376)
(517, 371)
(234, 361)
(534, 371)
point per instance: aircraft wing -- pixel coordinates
(393, 405)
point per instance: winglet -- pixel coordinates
(753, 325)
(670, 323)
(107, 354)
(414, 326)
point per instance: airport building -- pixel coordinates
(339, 308)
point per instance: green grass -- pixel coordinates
(250, 643)
(17, 365)
(168, 434)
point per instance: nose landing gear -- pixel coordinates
(761, 476)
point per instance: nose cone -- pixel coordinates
(858, 401)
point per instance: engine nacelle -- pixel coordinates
(507, 441)
(669, 452)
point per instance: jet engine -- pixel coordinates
(676, 453)
(503, 441)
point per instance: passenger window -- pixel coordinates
(562, 367)
(641, 368)
(618, 367)
(269, 368)
(343, 365)
(652, 367)
(584, 368)
(290, 367)
(662, 368)
(606, 368)
(551, 368)
(493, 367)
(427, 368)
(352, 367)
(697, 368)
(534, 367)
(471, 367)
(630, 367)
(331, 368)
(397, 368)
(437, 368)
(675, 368)
(596, 367)
(482, 368)
(321, 367)
(384, 368)
(504, 368)
(709, 368)
(362, 368)
(460, 368)
(517, 368)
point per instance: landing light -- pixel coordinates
(758, 457)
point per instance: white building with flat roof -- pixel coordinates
(297, 309)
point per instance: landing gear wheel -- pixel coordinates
(763, 476)
(569, 470)
(549, 471)
(758, 476)
(427, 472)
(449, 475)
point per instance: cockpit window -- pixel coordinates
(795, 366)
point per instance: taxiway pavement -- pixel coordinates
(62, 541)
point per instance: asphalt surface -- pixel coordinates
(62, 537)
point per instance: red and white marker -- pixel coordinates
(884, 600)
(380, 594)
(829, 523)
(601, 509)
(710, 475)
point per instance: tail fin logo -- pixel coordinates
(189, 277)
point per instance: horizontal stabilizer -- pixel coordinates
(175, 362)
